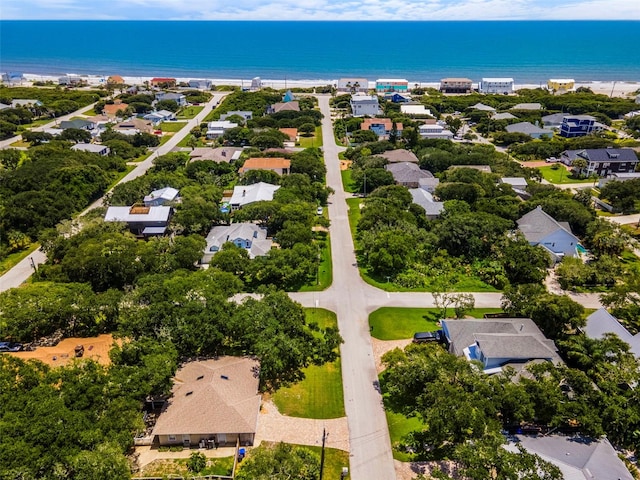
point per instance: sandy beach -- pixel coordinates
(618, 88)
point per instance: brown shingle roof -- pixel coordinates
(259, 163)
(111, 109)
(292, 133)
(388, 124)
(213, 396)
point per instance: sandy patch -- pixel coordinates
(380, 347)
(95, 348)
(409, 470)
(345, 164)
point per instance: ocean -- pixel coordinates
(528, 51)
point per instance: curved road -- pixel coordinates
(23, 270)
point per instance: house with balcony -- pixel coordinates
(380, 126)
(561, 85)
(161, 196)
(248, 236)
(217, 128)
(435, 130)
(456, 85)
(496, 85)
(353, 85)
(365, 105)
(577, 125)
(392, 85)
(163, 82)
(141, 220)
(179, 98)
(200, 84)
(603, 161)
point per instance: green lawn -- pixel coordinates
(11, 260)
(396, 323)
(324, 274)
(190, 112)
(354, 213)
(178, 466)
(560, 175)
(172, 126)
(319, 394)
(314, 141)
(399, 427)
(347, 182)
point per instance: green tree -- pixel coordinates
(280, 462)
(197, 462)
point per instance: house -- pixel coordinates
(25, 103)
(12, 77)
(381, 126)
(435, 131)
(603, 161)
(362, 105)
(561, 85)
(257, 192)
(115, 80)
(399, 155)
(496, 85)
(527, 106)
(353, 85)
(482, 107)
(601, 322)
(78, 123)
(4, 106)
(279, 165)
(217, 128)
(429, 184)
(159, 116)
(407, 174)
(414, 109)
(497, 343)
(425, 199)
(504, 116)
(480, 168)
(136, 125)
(161, 197)
(92, 148)
(147, 221)
(577, 125)
(396, 97)
(179, 98)
(517, 183)
(111, 109)
(288, 96)
(292, 136)
(163, 82)
(219, 154)
(540, 228)
(618, 177)
(456, 85)
(392, 85)
(293, 106)
(554, 120)
(530, 129)
(577, 457)
(213, 403)
(200, 84)
(249, 236)
(247, 115)
(70, 80)
(256, 84)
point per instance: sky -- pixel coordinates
(321, 10)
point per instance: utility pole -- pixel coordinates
(324, 438)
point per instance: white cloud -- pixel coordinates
(325, 9)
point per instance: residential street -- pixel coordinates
(23, 270)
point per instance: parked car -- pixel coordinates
(10, 347)
(319, 211)
(424, 337)
(551, 160)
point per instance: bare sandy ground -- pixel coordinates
(95, 348)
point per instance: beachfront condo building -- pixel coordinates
(577, 125)
(392, 85)
(353, 85)
(561, 84)
(496, 85)
(456, 85)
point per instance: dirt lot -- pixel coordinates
(96, 348)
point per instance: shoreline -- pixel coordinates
(614, 88)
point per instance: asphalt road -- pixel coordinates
(23, 270)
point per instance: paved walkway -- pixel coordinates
(275, 427)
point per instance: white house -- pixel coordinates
(161, 196)
(362, 105)
(350, 85)
(249, 236)
(414, 109)
(179, 98)
(540, 228)
(159, 116)
(496, 85)
(92, 148)
(145, 221)
(435, 131)
(217, 128)
(257, 192)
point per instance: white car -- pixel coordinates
(319, 211)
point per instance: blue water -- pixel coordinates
(529, 51)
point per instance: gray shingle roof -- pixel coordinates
(578, 458)
(537, 224)
(257, 192)
(611, 155)
(399, 155)
(515, 347)
(425, 200)
(601, 322)
(527, 128)
(405, 172)
(503, 116)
